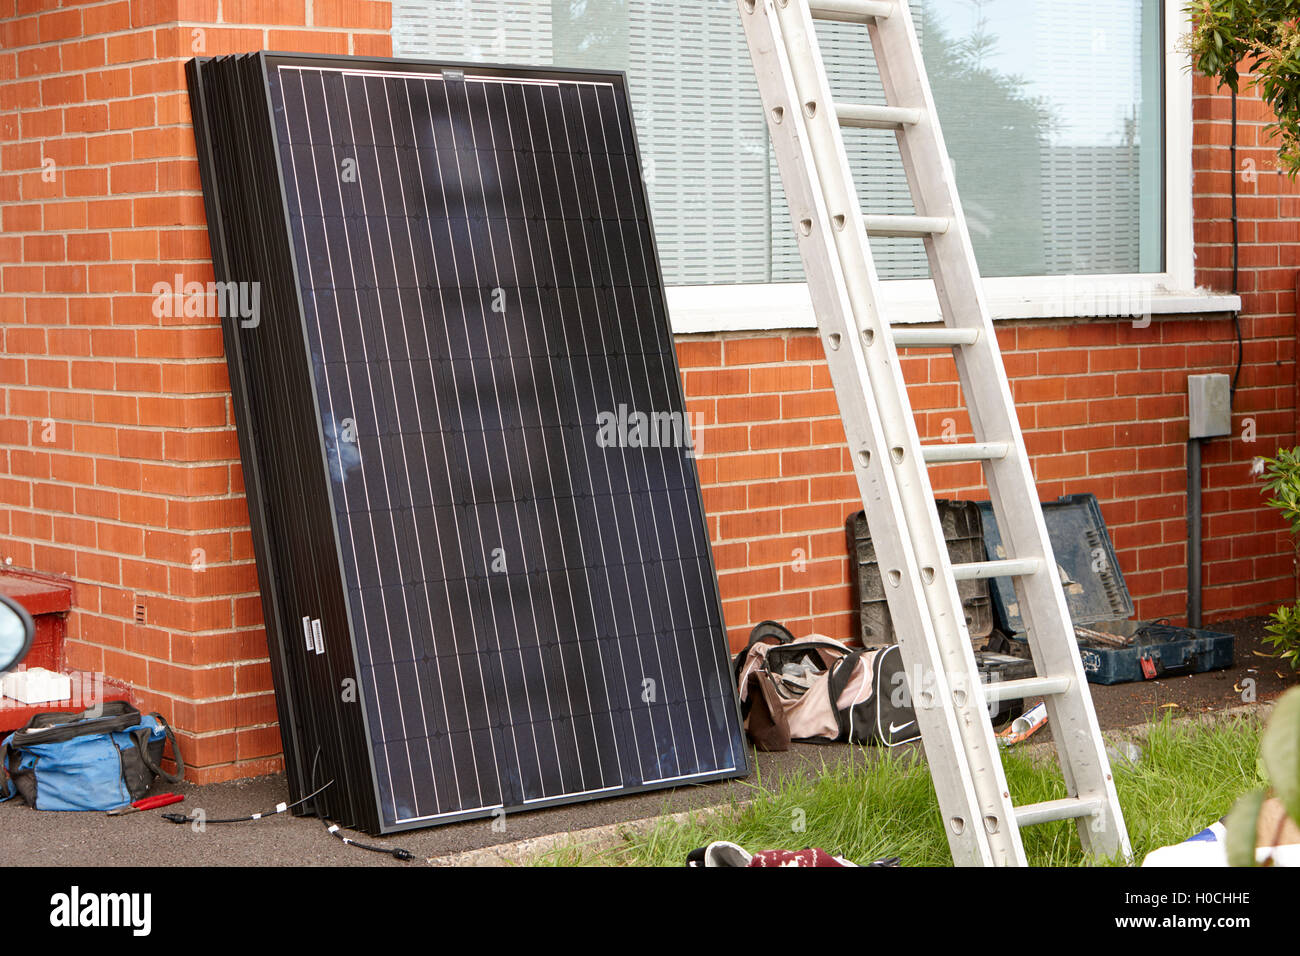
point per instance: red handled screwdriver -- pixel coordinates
(147, 803)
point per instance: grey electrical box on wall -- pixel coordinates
(1209, 405)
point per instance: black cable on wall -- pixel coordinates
(1236, 249)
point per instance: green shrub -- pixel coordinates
(1283, 483)
(1262, 35)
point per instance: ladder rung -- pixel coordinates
(867, 116)
(906, 226)
(1066, 809)
(849, 11)
(972, 451)
(1006, 568)
(1025, 687)
(934, 338)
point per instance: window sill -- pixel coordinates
(786, 305)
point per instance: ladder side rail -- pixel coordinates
(922, 527)
(868, 447)
(992, 412)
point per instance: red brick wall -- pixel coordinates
(1104, 409)
(1103, 405)
(118, 460)
(1268, 204)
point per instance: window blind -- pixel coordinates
(1052, 115)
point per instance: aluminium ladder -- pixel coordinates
(952, 707)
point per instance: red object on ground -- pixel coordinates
(809, 857)
(148, 803)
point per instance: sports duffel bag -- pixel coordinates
(95, 760)
(817, 690)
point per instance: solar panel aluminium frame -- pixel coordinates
(295, 537)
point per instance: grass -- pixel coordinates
(1188, 776)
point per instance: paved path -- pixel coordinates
(29, 837)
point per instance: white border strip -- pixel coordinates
(786, 305)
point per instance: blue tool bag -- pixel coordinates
(95, 760)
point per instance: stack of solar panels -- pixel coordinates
(487, 584)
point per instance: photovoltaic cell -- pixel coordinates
(529, 612)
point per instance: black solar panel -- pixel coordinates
(461, 300)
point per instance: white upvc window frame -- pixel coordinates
(786, 305)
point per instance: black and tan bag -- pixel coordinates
(817, 690)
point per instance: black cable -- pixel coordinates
(334, 830)
(1236, 249)
(1145, 629)
(279, 808)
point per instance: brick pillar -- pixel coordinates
(119, 465)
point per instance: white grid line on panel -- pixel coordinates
(541, 533)
(661, 321)
(636, 527)
(582, 777)
(339, 320)
(532, 256)
(672, 618)
(483, 686)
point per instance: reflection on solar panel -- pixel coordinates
(484, 565)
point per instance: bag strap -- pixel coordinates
(10, 791)
(765, 718)
(763, 632)
(142, 736)
(107, 710)
(841, 674)
(56, 727)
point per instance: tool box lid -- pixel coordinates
(1085, 557)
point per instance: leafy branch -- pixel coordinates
(1282, 481)
(1264, 36)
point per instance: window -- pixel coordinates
(1054, 114)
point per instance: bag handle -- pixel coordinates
(56, 727)
(763, 631)
(142, 745)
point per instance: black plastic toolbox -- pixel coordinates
(1099, 600)
(962, 529)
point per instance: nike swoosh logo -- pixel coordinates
(895, 728)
